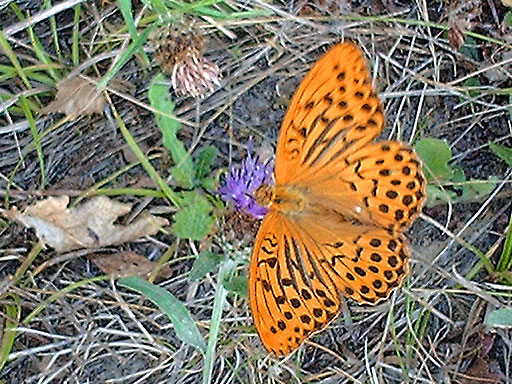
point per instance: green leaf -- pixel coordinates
(500, 318)
(470, 48)
(504, 153)
(204, 263)
(508, 18)
(435, 194)
(204, 161)
(458, 175)
(477, 189)
(194, 220)
(160, 99)
(182, 178)
(435, 154)
(236, 285)
(510, 108)
(470, 83)
(465, 191)
(209, 183)
(185, 327)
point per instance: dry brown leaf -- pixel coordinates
(456, 37)
(87, 226)
(123, 264)
(76, 96)
(507, 3)
(482, 371)
(462, 19)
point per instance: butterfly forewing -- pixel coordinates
(289, 297)
(333, 113)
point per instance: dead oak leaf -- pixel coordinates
(76, 96)
(90, 225)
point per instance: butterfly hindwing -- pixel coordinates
(398, 185)
(300, 268)
(363, 262)
(381, 184)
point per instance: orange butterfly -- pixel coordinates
(338, 209)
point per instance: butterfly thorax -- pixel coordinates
(283, 198)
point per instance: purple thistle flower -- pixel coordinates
(240, 183)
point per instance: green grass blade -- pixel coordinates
(169, 193)
(145, 192)
(13, 312)
(7, 72)
(53, 24)
(185, 327)
(125, 57)
(505, 262)
(92, 190)
(6, 48)
(398, 347)
(41, 53)
(17, 11)
(37, 140)
(158, 5)
(126, 10)
(58, 295)
(225, 271)
(75, 52)
(27, 262)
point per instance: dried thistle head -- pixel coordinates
(179, 52)
(238, 229)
